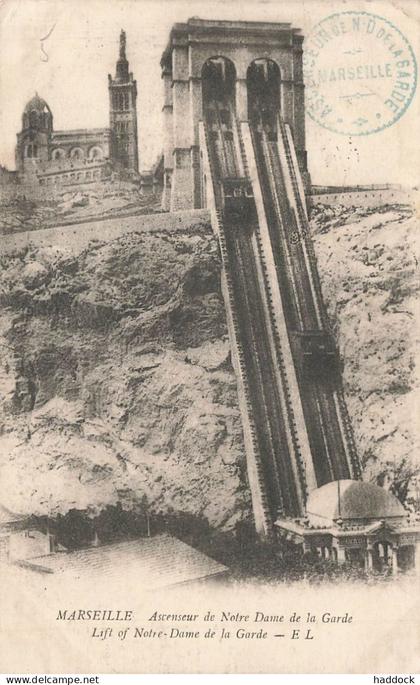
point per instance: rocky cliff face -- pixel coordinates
(368, 260)
(117, 382)
(26, 208)
(116, 378)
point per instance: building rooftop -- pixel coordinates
(37, 104)
(352, 500)
(8, 518)
(234, 23)
(196, 27)
(158, 561)
(80, 132)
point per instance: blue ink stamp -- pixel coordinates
(360, 73)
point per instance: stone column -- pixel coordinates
(341, 555)
(287, 101)
(241, 99)
(182, 191)
(394, 560)
(196, 109)
(368, 558)
(168, 139)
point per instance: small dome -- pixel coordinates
(351, 500)
(37, 104)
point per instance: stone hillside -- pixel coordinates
(368, 260)
(117, 384)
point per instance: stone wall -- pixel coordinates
(366, 198)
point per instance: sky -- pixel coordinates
(81, 47)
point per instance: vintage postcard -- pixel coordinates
(209, 446)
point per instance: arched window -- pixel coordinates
(33, 118)
(96, 152)
(76, 153)
(31, 150)
(58, 153)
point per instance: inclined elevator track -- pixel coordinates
(318, 396)
(270, 408)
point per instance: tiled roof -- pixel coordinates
(7, 517)
(153, 562)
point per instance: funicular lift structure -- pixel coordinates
(300, 435)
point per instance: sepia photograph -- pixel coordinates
(209, 218)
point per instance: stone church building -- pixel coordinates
(50, 157)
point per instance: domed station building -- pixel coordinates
(356, 522)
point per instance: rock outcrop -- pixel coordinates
(368, 261)
(117, 384)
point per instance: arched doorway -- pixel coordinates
(218, 92)
(355, 556)
(218, 77)
(263, 85)
(381, 555)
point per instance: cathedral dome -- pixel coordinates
(37, 104)
(37, 114)
(351, 500)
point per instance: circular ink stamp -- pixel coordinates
(360, 73)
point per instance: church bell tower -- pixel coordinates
(123, 112)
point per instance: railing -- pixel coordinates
(303, 225)
(349, 436)
(297, 454)
(285, 383)
(256, 477)
(342, 411)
